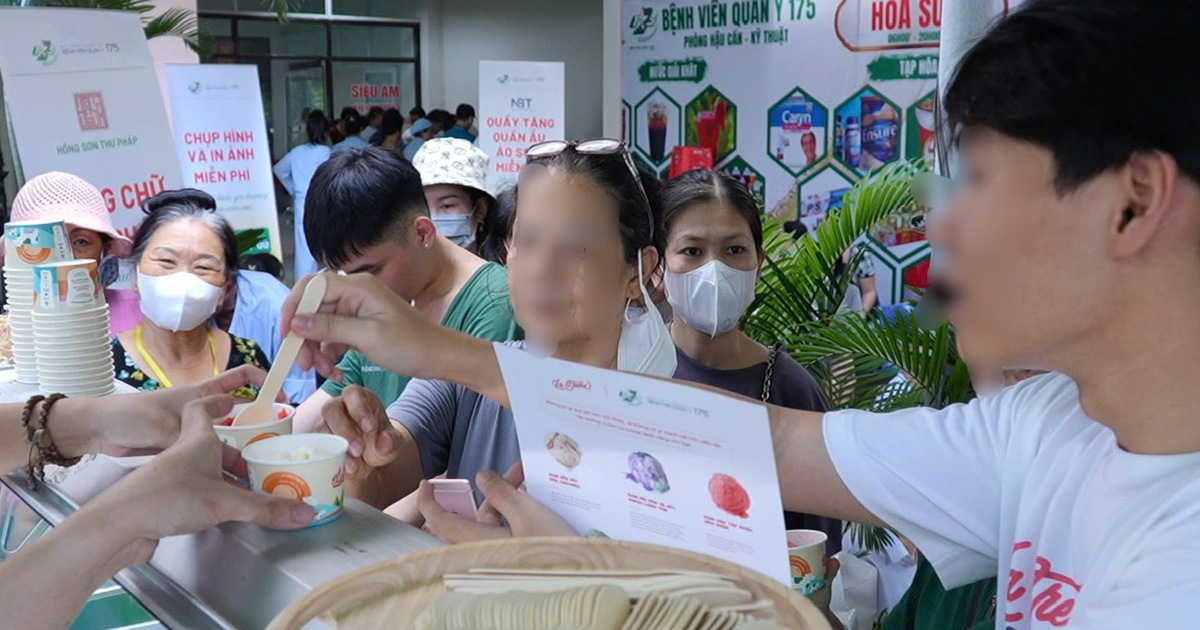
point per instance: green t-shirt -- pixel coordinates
(480, 309)
(927, 604)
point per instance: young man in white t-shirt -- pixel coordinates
(1073, 245)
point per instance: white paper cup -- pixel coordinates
(92, 380)
(83, 360)
(318, 481)
(85, 343)
(72, 317)
(240, 437)
(93, 392)
(28, 243)
(806, 555)
(67, 287)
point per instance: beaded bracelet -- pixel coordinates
(42, 449)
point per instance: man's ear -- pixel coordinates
(1148, 181)
(425, 230)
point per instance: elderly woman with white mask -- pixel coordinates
(186, 257)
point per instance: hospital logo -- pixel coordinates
(503, 79)
(631, 397)
(642, 25)
(45, 53)
(194, 88)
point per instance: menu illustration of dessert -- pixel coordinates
(648, 460)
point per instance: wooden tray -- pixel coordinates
(392, 594)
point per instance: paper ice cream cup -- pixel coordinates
(308, 466)
(28, 243)
(806, 555)
(240, 437)
(66, 287)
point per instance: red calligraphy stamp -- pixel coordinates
(89, 108)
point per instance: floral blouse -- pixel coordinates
(241, 352)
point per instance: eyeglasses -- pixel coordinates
(598, 146)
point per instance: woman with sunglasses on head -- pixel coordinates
(714, 255)
(584, 243)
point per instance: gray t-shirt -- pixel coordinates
(458, 431)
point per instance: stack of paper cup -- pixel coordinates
(70, 329)
(28, 243)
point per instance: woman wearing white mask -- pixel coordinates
(454, 173)
(584, 242)
(186, 257)
(714, 254)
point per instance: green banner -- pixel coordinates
(690, 70)
(907, 67)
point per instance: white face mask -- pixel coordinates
(456, 227)
(178, 301)
(645, 346)
(711, 298)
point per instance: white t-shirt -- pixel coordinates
(1025, 487)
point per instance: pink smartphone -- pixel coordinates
(456, 496)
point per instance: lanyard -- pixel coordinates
(158, 373)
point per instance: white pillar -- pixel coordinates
(611, 70)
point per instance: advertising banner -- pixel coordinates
(520, 104)
(221, 139)
(796, 98)
(82, 97)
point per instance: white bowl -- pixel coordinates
(240, 437)
(318, 481)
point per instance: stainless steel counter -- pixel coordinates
(237, 576)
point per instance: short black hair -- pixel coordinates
(348, 113)
(441, 119)
(706, 185)
(353, 125)
(416, 113)
(316, 126)
(373, 112)
(464, 111)
(357, 199)
(1093, 81)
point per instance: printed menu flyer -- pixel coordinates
(649, 460)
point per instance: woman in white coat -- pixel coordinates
(295, 171)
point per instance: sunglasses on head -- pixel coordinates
(598, 146)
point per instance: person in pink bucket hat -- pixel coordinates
(57, 196)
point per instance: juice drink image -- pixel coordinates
(657, 124)
(925, 122)
(708, 131)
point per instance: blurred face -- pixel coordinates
(1028, 268)
(566, 268)
(86, 243)
(185, 245)
(710, 231)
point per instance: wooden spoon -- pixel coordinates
(261, 411)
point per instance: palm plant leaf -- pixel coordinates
(181, 23)
(854, 359)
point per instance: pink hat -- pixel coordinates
(68, 198)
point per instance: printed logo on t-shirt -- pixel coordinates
(1042, 595)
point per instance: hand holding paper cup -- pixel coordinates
(806, 555)
(308, 467)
